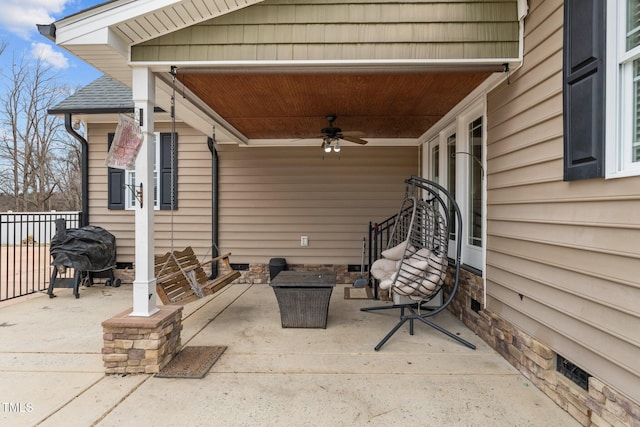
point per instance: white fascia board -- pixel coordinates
(442, 65)
(112, 14)
(102, 36)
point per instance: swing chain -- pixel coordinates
(173, 146)
(174, 72)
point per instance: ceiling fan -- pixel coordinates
(332, 134)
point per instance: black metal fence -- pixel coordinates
(25, 264)
(379, 234)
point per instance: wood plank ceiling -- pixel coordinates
(295, 105)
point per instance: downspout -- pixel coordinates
(84, 168)
(214, 206)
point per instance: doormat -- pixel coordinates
(192, 362)
(358, 293)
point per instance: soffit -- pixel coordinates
(295, 106)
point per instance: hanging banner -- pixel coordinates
(126, 144)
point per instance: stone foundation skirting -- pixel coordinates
(141, 345)
(600, 406)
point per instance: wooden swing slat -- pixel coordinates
(175, 287)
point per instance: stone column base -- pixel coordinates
(141, 345)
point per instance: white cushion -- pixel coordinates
(386, 283)
(438, 262)
(429, 284)
(405, 289)
(383, 268)
(414, 266)
(397, 252)
(435, 275)
(409, 275)
(422, 254)
(417, 276)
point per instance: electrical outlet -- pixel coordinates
(304, 240)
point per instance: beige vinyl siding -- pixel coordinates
(192, 219)
(322, 30)
(562, 257)
(270, 197)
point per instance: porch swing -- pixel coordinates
(180, 276)
(415, 265)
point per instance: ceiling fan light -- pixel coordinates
(327, 147)
(336, 147)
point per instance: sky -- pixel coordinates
(18, 20)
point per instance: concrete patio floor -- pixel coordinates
(52, 373)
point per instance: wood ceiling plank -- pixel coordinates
(275, 106)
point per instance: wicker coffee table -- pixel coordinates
(303, 297)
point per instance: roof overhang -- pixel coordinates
(104, 35)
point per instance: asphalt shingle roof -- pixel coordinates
(103, 95)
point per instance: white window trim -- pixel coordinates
(471, 255)
(428, 160)
(156, 197)
(447, 132)
(618, 99)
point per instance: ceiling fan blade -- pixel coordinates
(354, 139)
(353, 133)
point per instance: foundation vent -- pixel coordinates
(573, 372)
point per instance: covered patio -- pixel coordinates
(50, 351)
(552, 272)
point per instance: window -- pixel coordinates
(635, 118)
(130, 199)
(470, 188)
(451, 182)
(165, 188)
(623, 88)
(628, 64)
(456, 162)
(435, 162)
(476, 173)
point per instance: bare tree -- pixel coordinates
(34, 143)
(11, 150)
(70, 179)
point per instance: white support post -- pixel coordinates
(144, 284)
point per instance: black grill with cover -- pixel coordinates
(89, 250)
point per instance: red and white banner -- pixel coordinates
(126, 144)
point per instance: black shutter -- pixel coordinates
(115, 183)
(584, 89)
(168, 173)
